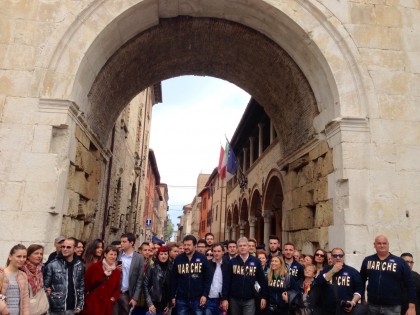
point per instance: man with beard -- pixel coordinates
(190, 279)
(274, 247)
(294, 268)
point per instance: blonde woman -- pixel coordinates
(14, 284)
(279, 282)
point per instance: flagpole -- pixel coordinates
(242, 179)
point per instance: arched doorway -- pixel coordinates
(272, 204)
(256, 219)
(243, 220)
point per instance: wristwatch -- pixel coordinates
(3, 297)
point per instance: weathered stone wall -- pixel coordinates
(307, 207)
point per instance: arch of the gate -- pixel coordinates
(243, 218)
(256, 220)
(273, 201)
(110, 45)
(228, 223)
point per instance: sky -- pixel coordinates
(188, 128)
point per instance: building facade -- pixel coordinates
(339, 75)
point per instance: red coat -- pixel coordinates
(99, 301)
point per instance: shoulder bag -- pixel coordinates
(38, 303)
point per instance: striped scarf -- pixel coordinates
(34, 276)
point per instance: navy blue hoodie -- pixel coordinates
(240, 277)
(295, 270)
(347, 282)
(386, 278)
(276, 287)
(190, 279)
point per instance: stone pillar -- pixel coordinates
(227, 233)
(233, 231)
(252, 221)
(267, 214)
(260, 139)
(251, 150)
(242, 225)
(245, 150)
(271, 132)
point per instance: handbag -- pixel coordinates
(38, 303)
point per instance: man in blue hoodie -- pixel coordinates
(239, 280)
(386, 275)
(191, 279)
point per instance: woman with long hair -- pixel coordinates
(94, 252)
(320, 260)
(279, 282)
(157, 283)
(102, 284)
(14, 284)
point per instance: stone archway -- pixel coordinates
(256, 220)
(84, 62)
(235, 223)
(272, 205)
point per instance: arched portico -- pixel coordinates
(256, 220)
(272, 204)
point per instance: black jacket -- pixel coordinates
(56, 278)
(157, 286)
(190, 279)
(386, 278)
(240, 277)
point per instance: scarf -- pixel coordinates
(107, 268)
(34, 276)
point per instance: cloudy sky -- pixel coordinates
(188, 129)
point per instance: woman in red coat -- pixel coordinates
(102, 284)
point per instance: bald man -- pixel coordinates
(386, 275)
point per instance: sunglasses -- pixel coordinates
(319, 255)
(337, 255)
(66, 247)
(209, 255)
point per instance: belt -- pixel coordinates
(124, 292)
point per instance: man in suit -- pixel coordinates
(132, 276)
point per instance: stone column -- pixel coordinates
(251, 150)
(233, 231)
(242, 225)
(227, 233)
(245, 150)
(252, 221)
(267, 214)
(260, 139)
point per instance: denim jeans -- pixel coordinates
(213, 307)
(384, 310)
(241, 306)
(188, 307)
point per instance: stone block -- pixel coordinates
(413, 60)
(39, 167)
(388, 15)
(318, 165)
(378, 59)
(321, 190)
(377, 37)
(296, 195)
(390, 82)
(301, 218)
(407, 158)
(11, 196)
(307, 195)
(327, 164)
(20, 57)
(87, 231)
(362, 13)
(39, 197)
(299, 163)
(324, 214)
(90, 209)
(356, 155)
(74, 200)
(42, 138)
(15, 82)
(6, 26)
(82, 137)
(16, 137)
(319, 150)
(288, 201)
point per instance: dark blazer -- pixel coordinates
(135, 281)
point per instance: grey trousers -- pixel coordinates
(384, 310)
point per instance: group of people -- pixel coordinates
(206, 278)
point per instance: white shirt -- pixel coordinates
(216, 284)
(126, 262)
